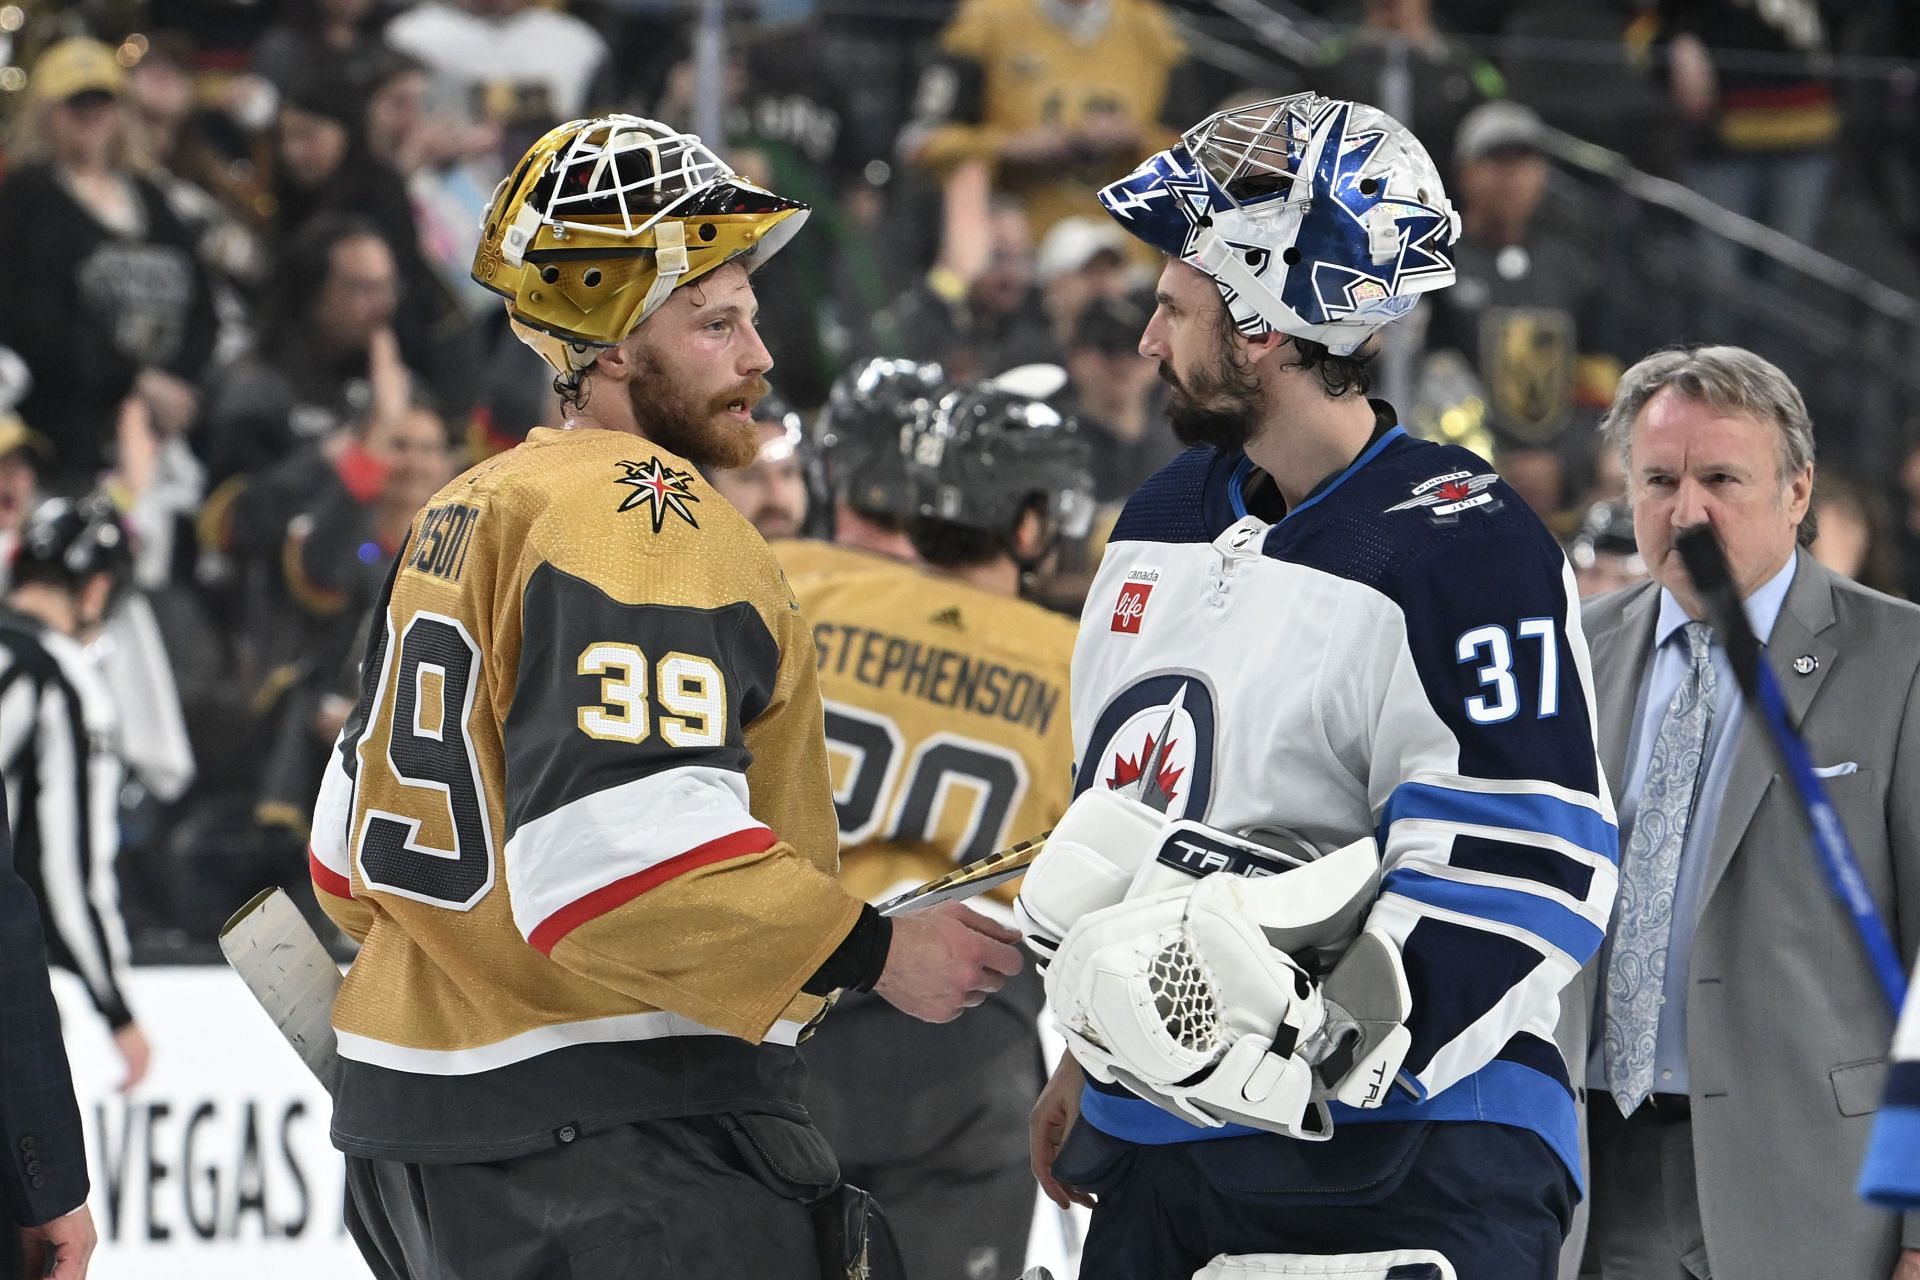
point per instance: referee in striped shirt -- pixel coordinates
(57, 735)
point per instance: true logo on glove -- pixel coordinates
(1131, 607)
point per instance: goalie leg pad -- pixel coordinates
(1395, 1264)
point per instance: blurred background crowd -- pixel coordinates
(235, 234)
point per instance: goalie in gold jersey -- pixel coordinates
(948, 728)
(580, 821)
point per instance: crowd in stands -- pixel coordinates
(235, 237)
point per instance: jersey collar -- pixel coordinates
(1386, 429)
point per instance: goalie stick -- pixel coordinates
(1707, 565)
(982, 874)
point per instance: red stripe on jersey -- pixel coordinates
(547, 934)
(327, 878)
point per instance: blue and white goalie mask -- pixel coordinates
(1318, 218)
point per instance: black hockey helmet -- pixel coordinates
(776, 412)
(860, 433)
(1606, 528)
(69, 540)
(986, 453)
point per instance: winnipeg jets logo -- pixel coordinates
(1154, 743)
(1128, 772)
(659, 487)
(1444, 497)
(1150, 776)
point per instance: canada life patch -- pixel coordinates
(1131, 607)
(1445, 497)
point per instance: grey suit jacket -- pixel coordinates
(1787, 1031)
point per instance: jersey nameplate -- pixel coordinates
(441, 549)
(944, 677)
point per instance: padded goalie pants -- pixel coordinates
(933, 1121)
(698, 1198)
(1495, 1200)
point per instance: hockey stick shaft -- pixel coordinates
(1713, 581)
(969, 880)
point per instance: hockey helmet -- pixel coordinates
(69, 540)
(603, 219)
(863, 433)
(1316, 217)
(985, 453)
(773, 410)
(1605, 529)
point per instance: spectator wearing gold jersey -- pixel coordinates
(1057, 96)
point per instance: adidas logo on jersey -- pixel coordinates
(949, 617)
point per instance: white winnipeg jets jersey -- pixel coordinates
(1400, 656)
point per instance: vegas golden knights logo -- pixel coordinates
(1527, 359)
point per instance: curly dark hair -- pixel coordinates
(1350, 375)
(572, 389)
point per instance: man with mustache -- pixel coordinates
(1336, 677)
(580, 821)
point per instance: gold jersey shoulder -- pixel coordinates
(948, 728)
(637, 521)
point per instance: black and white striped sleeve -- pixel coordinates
(76, 781)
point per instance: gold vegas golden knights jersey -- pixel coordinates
(947, 718)
(580, 821)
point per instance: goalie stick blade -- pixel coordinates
(288, 970)
(970, 880)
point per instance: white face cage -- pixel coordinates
(679, 166)
(1255, 141)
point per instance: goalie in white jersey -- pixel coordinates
(1348, 664)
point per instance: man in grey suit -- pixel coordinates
(1734, 1038)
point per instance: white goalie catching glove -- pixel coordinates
(1195, 996)
(1180, 997)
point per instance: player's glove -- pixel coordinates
(1181, 998)
(1201, 997)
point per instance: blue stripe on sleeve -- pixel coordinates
(1549, 815)
(1572, 933)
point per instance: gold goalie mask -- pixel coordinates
(603, 219)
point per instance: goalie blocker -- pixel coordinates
(1248, 998)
